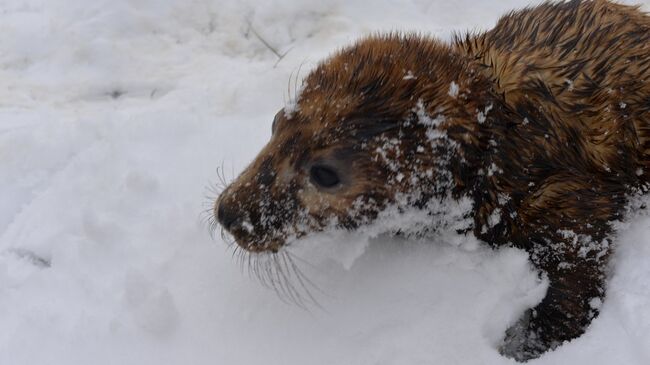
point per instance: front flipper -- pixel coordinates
(564, 225)
(572, 301)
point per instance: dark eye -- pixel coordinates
(324, 176)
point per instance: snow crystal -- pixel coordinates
(425, 119)
(494, 218)
(493, 168)
(453, 89)
(409, 76)
(247, 226)
(482, 115)
(292, 106)
(596, 303)
(433, 133)
(570, 84)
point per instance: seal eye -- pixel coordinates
(324, 176)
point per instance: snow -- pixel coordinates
(453, 90)
(115, 115)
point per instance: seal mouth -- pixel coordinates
(241, 231)
(267, 247)
(256, 246)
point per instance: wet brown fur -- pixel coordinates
(548, 132)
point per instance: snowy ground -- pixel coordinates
(114, 116)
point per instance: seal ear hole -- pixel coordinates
(324, 176)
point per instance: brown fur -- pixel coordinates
(544, 122)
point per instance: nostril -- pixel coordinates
(226, 216)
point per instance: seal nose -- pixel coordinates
(226, 216)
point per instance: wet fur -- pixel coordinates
(543, 121)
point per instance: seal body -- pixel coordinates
(542, 124)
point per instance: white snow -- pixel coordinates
(453, 89)
(115, 114)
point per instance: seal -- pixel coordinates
(541, 125)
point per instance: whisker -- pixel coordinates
(221, 174)
(250, 261)
(287, 288)
(273, 280)
(294, 289)
(299, 277)
(289, 89)
(295, 82)
(285, 283)
(305, 282)
(258, 273)
(303, 261)
(235, 254)
(279, 272)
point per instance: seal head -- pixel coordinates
(364, 134)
